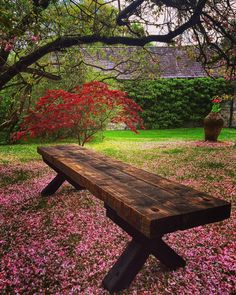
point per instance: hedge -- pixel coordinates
(170, 103)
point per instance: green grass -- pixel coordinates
(18, 177)
(211, 165)
(174, 151)
(116, 143)
(24, 151)
(167, 134)
(157, 151)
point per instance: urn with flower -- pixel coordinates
(213, 122)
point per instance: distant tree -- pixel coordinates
(27, 26)
(80, 114)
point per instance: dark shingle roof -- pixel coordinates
(164, 62)
(176, 63)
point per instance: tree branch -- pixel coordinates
(42, 74)
(127, 12)
(66, 42)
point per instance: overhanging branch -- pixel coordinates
(42, 74)
(68, 41)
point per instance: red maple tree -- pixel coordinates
(80, 113)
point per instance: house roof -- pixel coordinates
(129, 62)
(177, 63)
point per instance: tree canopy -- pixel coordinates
(30, 29)
(80, 114)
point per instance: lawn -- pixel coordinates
(65, 244)
(167, 134)
(113, 140)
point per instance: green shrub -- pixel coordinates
(169, 103)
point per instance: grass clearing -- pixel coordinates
(167, 134)
(18, 176)
(116, 142)
(174, 151)
(211, 165)
(174, 159)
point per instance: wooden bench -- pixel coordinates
(143, 204)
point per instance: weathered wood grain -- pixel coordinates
(150, 203)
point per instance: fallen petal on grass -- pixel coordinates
(64, 244)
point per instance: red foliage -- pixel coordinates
(83, 112)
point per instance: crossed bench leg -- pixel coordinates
(57, 181)
(55, 184)
(135, 255)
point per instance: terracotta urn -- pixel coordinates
(213, 124)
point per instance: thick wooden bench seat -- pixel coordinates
(145, 205)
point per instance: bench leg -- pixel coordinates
(53, 186)
(167, 255)
(126, 268)
(133, 258)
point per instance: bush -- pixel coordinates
(170, 103)
(81, 113)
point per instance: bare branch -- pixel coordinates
(42, 74)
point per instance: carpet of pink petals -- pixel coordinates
(66, 245)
